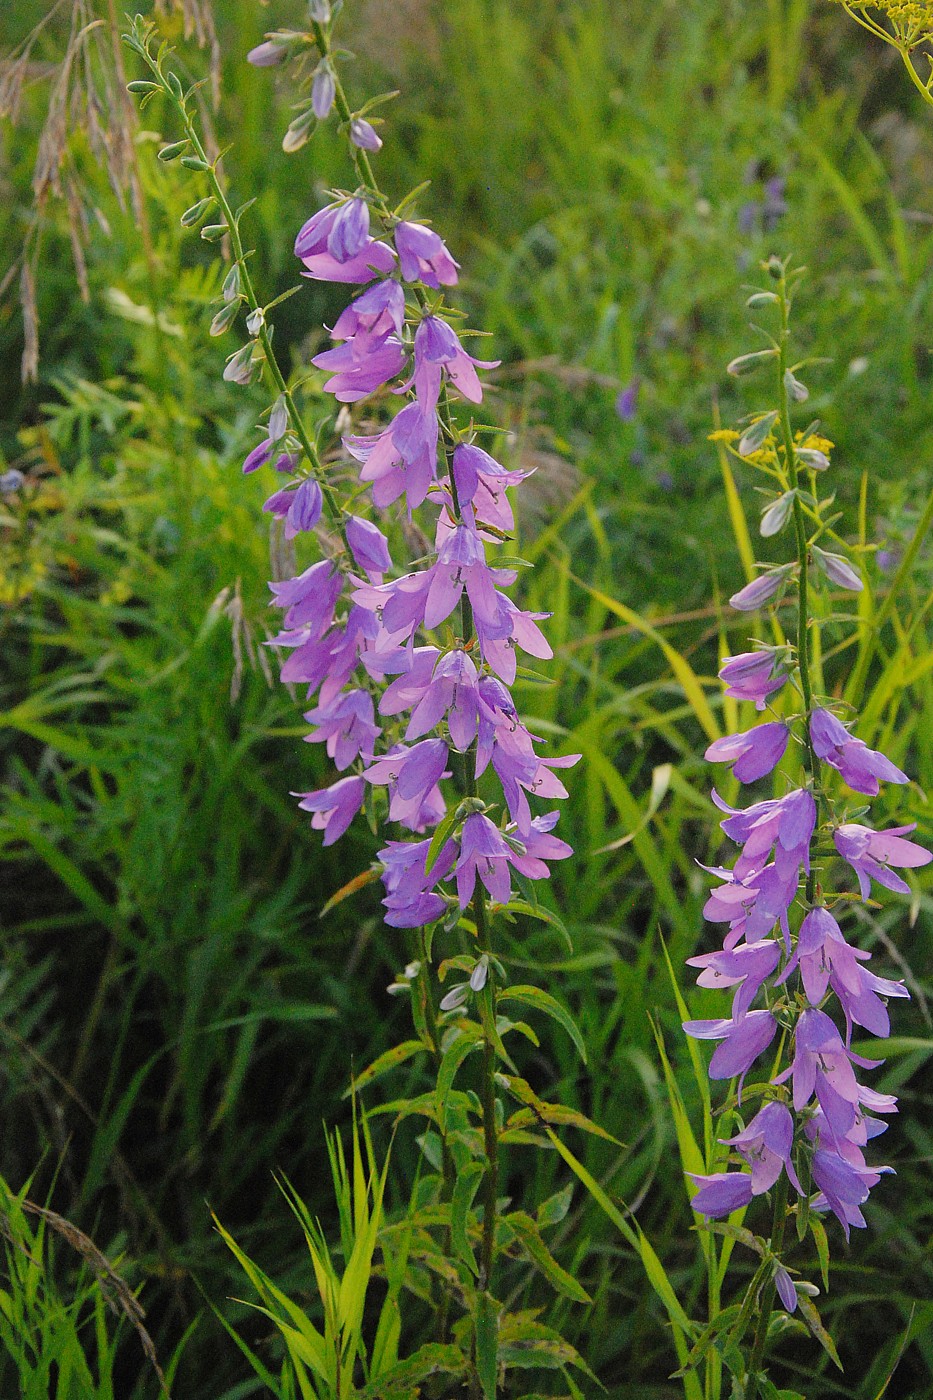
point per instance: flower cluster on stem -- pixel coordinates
(795, 978)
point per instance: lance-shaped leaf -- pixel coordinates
(529, 1237)
(543, 1001)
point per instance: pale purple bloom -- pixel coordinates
(412, 776)
(871, 853)
(376, 312)
(742, 1042)
(844, 1186)
(329, 261)
(721, 1194)
(752, 754)
(423, 256)
(511, 628)
(784, 824)
(450, 691)
(746, 967)
(481, 482)
(363, 135)
(369, 547)
(483, 852)
(310, 598)
(760, 590)
(402, 458)
(360, 366)
(438, 351)
(860, 766)
(766, 1145)
(823, 1066)
(411, 899)
(827, 960)
(409, 689)
(753, 675)
(539, 846)
(300, 507)
(347, 725)
(335, 807)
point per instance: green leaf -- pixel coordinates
(487, 1343)
(554, 1209)
(466, 1186)
(454, 1056)
(813, 1320)
(543, 1001)
(543, 915)
(426, 1361)
(390, 1059)
(529, 1236)
(537, 1111)
(438, 839)
(821, 1241)
(720, 1323)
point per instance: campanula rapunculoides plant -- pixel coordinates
(799, 985)
(408, 676)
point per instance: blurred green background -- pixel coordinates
(176, 1019)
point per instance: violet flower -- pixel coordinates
(423, 256)
(860, 766)
(752, 754)
(401, 459)
(753, 675)
(325, 240)
(872, 853)
(438, 352)
(742, 1042)
(335, 807)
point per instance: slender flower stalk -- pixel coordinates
(410, 671)
(784, 945)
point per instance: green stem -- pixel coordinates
(488, 1094)
(760, 1343)
(915, 77)
(800, 530)
(332, 503)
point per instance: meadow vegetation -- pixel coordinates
(181, 1013)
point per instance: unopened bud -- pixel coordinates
(363, 135)
(755, 434)
(838, 570)
(323, 90)
(266, 55)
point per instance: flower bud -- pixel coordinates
(241, 366)
(225, 318)
(363, 135)
(266, 55)
(455, 998)
(323, 90)
(298, 132)
(755, 434)
(173, 151)
(744, 364)
(11, 481)
(760, 590)
(278, 419)
(775, 516)
(319, 10)
(838, 570)
(797, 391)
(197, 211)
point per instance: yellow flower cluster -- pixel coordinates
(912, 20)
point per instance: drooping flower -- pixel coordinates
(359, 367)
(363, 135)
(483, 852)
(325, 240)
(746, 967)
(860, 766)
(872, 853)
(742, 1042)
(753, 675)
(411, 898)
(753, 754)
(761, 590)
(400, 459)
(369, 547)
(423, 256)
(347, 725)
(334, 807)
(300, 508)
(377, 312)
(438, 352)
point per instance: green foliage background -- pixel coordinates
(176, 1020)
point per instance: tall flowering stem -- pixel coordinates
(791, 968)
(410, 672)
